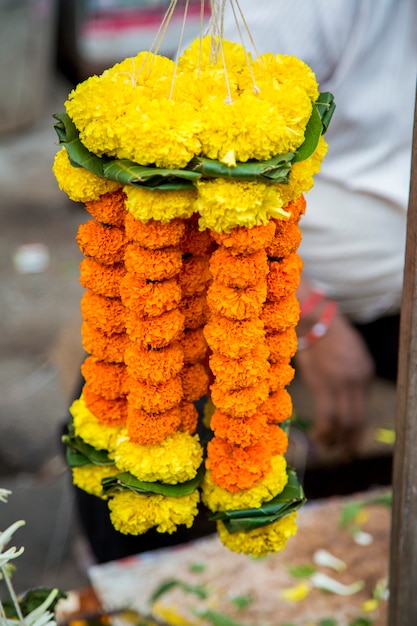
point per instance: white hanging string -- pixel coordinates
(215, 28)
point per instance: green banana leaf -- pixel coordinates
(129, 173)
(275, 170)
(126, 481)
(289, 501)
(79, 453)
(79, 156)
(325, 105)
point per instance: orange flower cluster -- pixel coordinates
(103, 242)
(251, 333)
(143, 315)
(161, 291)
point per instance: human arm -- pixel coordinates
(337, 369)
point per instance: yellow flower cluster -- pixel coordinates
(149, 111)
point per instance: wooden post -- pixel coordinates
(403, 560)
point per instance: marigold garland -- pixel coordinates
(191, 283)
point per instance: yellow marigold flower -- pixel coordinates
(163, 206)
(160, 132)
(96, 434)
(218, 499)
(174, 460)
(205, 54)
(261, 541)
(286, 69)
(224, 204)
(79, 184)
(134, 514)
(88, 477)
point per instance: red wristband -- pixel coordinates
(309, 303)
(320, 328)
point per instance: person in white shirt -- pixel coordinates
(365, 53)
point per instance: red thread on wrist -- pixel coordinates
(309, 303)
(320, 328)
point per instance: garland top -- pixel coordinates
(163, 125)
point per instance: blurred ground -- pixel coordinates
(39, 308)
(40, 355)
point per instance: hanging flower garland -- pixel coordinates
(191, 269)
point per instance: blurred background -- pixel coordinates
(46, 47)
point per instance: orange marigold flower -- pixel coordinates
(232, 338)
(109, 208)
(284, 276)
(154, 235)
(148, 264)
(155, 398)
(194, 345)
(155, 332)
(286, 241)
(195, 241)
(280, 375)
(279, 316)
(194, 275)
(297, 208)
(106, 244)
(276, 439)
(105, 379)
(100, 278)
(240, 402)
(195, 311)
(235, 303)
(151, 428)
(235, 468)
(189, 417)
(111, 412)
(108, 314)
(246, 240)
(238, 270)
(154, 366)
(195, 382)
(243, 432)
(102, 346)
(282, 345)
(149, 299)
(243, 372)
(277, 407)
